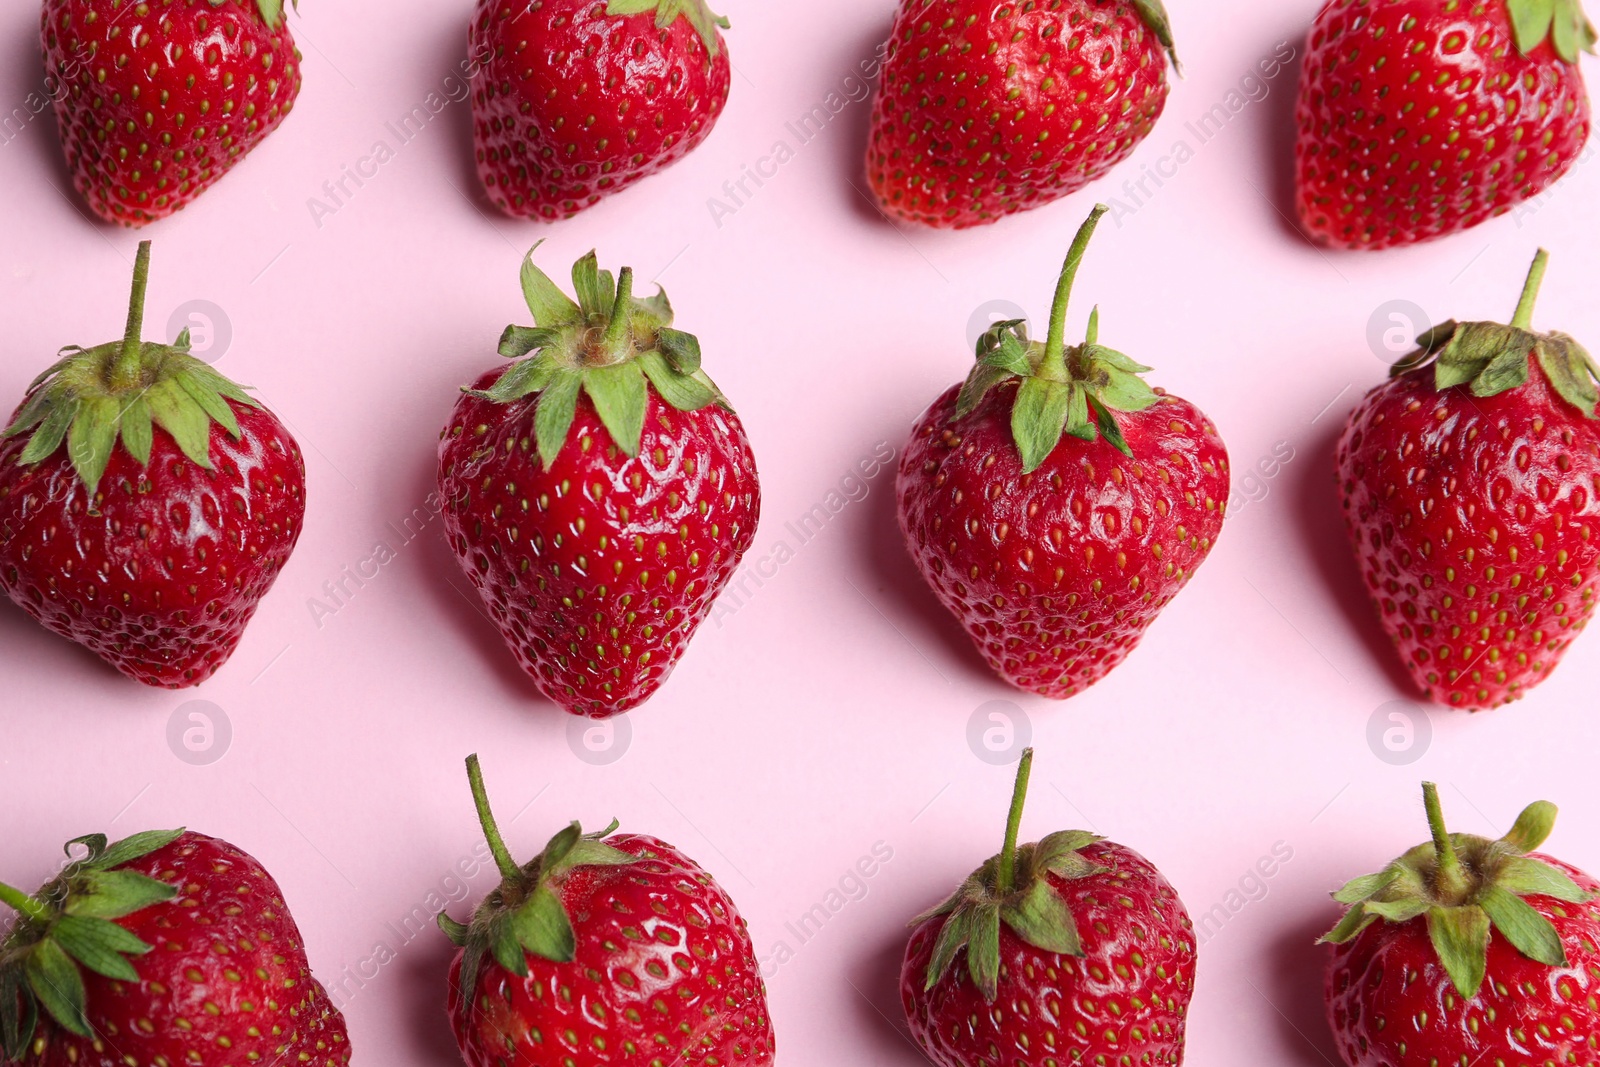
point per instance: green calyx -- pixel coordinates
(1061, 391)
(1155, 16)
(91, 398)
(1561, 21)
(1490, 358)
(610, 345)
(667, 12)
(1011, 888)
(524, 914)
(1464, 887)
(67, 926)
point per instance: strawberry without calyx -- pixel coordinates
(1053, 529)
(163, 97)
(147, 504)
(1466, 950)
(164, 948)
(1071, 950)
(988, 109)
(605, 949)
(1470, 483)
(582, 98)
(599, 493)
(1421, 118)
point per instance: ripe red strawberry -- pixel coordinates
(1467, 951)
(604, 950)
(599, 493)
(1421, 118)
(1071, 950)
(156, 553)
(1471, 491)
(582, 98)
(1055, 531)
(167, 948)
(987, 109)
(162, 97)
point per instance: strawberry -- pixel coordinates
(1071, 950)
(599, 493)
(1421, 118)
(581, 98)
(163, 97)
(987, 109)
(1471, 490)
(605, 949)
(1467, 951)
(166, 948)
(1054, 530)
(156, 553)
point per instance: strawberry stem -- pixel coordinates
(618, 337)
(1054, 364)
(126, 370)
(1523, 319)
(1451, 878)
(491, 832)
(1006, 877)
(24, 904)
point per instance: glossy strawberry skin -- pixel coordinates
(1125, 1001)
(1476, 523)
(661, 953)
(1056, 574)
(160, 573)
(599, 570)
(1420, 118)
(226, 981)
(575, 104)
(1390, 1003)
(141, 141)
(985, 110)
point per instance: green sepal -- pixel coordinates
(99, 945)
(134, 847)
(1460, 938)
(1040, 917)
(524, 914)
(620, 396)
(1155, 16)
(1061, 391)
(1491, 358)
(89, 399)
(18, 1014)
(1561, 21)
(1038, 416)
(1529, 932)
(56, 984)
(699, 15)
(271, 11)
(609, 344)
(558, 404)
(114, 894)
(543, 928)
(1033, 909)
(1468, 889)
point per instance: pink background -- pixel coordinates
(830, 711)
